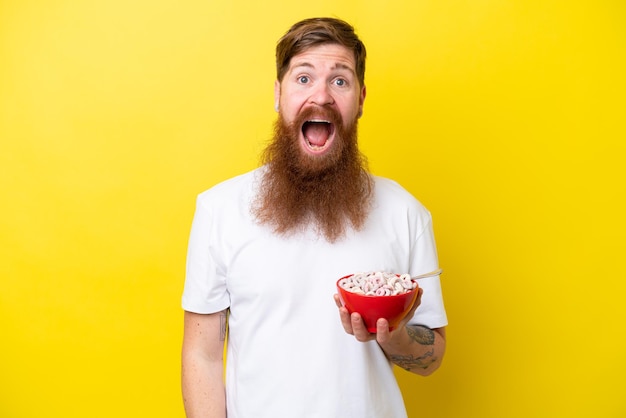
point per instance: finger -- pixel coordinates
(359, 329)
(337, 300)
(344, 316)
(382, 330)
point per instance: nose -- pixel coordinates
(321, 95)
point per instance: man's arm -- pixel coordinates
(415, 348)
(203, 365)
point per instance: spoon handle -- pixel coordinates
(425, 275)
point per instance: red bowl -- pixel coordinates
(371, 308)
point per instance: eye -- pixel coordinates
(303, 79)
(340, 82)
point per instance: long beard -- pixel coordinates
(331, 192)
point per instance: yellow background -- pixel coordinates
(505, 118)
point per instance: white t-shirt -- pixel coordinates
(288, 355)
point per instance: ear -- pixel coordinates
(277, 95)
(362, 100)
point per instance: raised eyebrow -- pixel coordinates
(342, 66)
(301, 65)
(337, 66)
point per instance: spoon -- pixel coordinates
(425, 275)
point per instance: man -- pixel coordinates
(267, 247)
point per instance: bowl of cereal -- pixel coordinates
(378, 295)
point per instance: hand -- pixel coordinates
(353, 323)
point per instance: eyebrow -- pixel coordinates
(337, 66)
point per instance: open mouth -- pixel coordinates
(318, 134)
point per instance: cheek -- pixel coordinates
(349, 109)
(349, 115)
(289, 117)
(289, 109)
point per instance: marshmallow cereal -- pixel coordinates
(378, 283)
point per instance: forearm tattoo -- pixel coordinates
(422, 336)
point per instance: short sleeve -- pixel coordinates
(205, 289)
(431, 311)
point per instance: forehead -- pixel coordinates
(329, 56)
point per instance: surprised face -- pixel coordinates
(319, 91)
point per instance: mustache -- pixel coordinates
(318, 113)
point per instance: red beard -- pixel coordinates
(331, 192)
